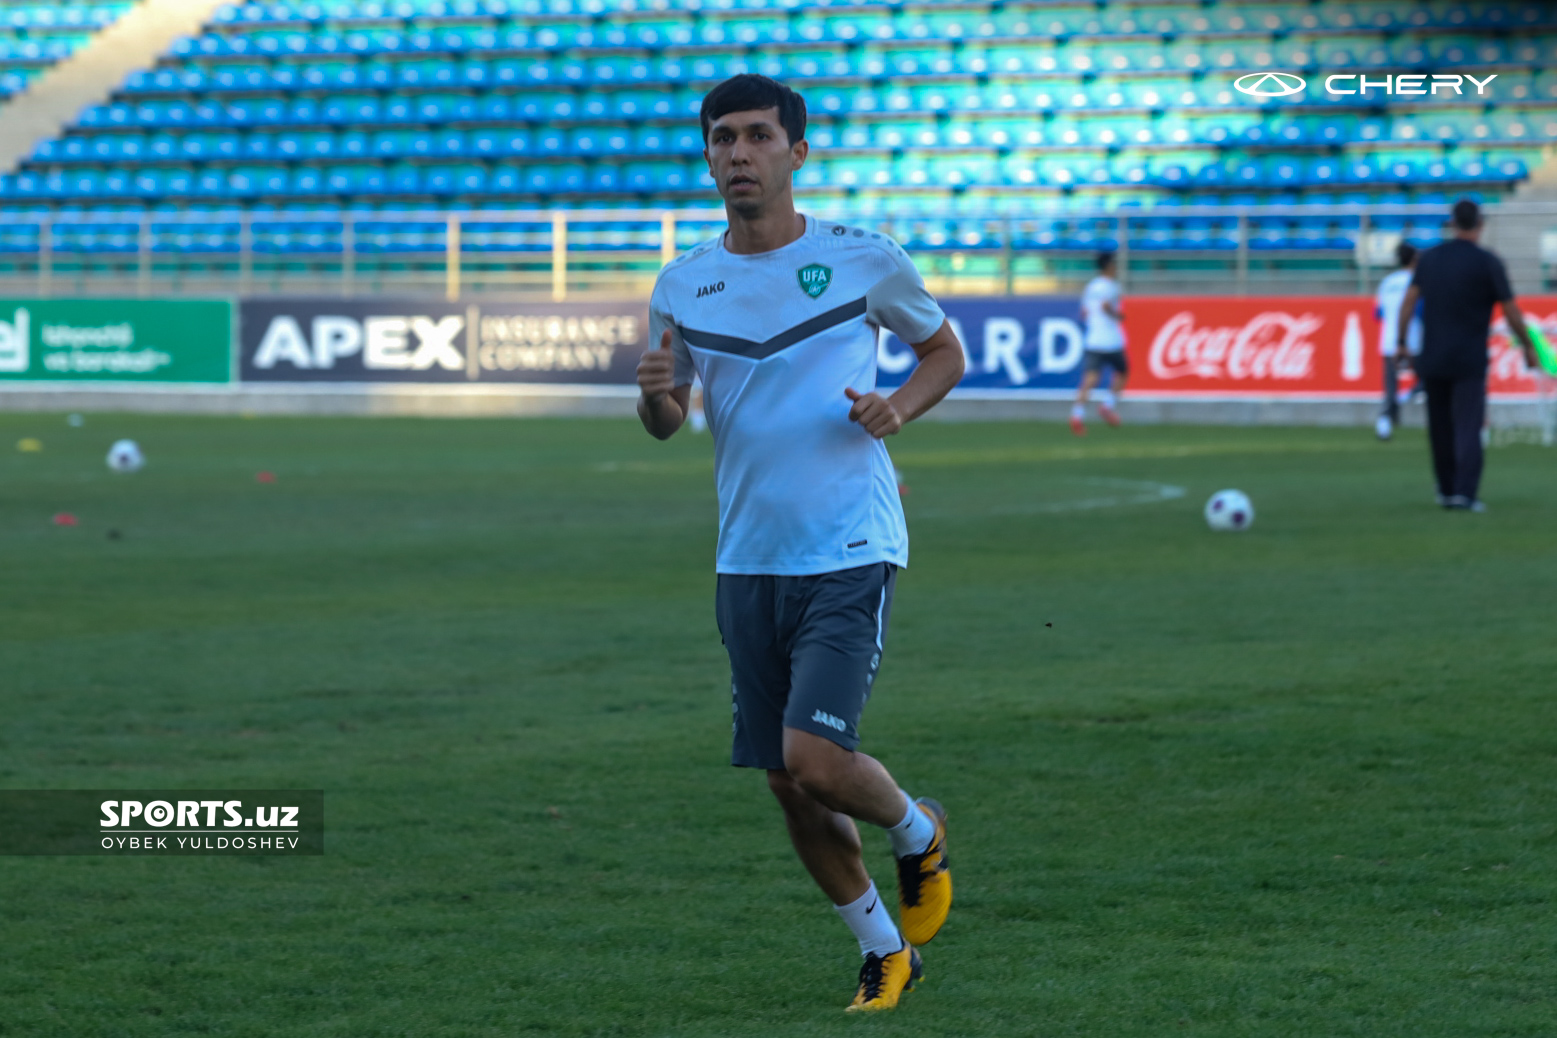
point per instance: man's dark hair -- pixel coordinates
(1104, 259)
(749, 92)
(1467, 215)
(1405, 252)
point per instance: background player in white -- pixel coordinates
(1105, 345)
(779, 316)
(1392, 291)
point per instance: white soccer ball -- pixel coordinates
(126, 456)
(1229, 510)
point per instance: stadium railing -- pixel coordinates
(562, 254)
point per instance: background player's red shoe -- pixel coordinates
(1109, 415)
(1077, 426)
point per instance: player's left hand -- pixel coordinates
(874, 412)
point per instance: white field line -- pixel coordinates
(1016, 455)
(1128, 492)
(1130, 452)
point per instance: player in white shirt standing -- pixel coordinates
(1105, 345)
(779, 318)
(1392, 292)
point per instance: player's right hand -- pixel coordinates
(657, 370)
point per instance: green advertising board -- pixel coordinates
(115, 340)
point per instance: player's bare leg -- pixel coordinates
(1078, 412)
(1107, 406)
(829, 846)
(847, 782)
(827, 841)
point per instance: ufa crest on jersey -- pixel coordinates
(814, 279)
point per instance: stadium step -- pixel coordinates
(94, 72)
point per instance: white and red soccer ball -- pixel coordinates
(1229, 510)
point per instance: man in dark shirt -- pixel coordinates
(1458, 283)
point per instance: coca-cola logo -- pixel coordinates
(1506, 361)
(1271, 345)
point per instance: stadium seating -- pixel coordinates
(948, 115)
(35, 36)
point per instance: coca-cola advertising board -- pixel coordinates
(1319, 347)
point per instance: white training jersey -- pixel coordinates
(1392, 292)
(776, 337)
(1103, 330)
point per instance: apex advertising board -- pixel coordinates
(115, 340)
(441, 343)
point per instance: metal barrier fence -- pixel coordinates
(581, 254)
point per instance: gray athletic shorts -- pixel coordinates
(1097, 360)
(804, 652)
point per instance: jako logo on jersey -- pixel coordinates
(835, 723)
(708, 290)
(814, 279)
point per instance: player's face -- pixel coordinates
(751, 159)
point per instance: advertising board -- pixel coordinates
(1031, 343)
(411, 341)
(115, 340)
(1316, 347)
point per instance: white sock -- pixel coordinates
(872, 924)
(1078, 411)
(1106, 397)
(914, 833)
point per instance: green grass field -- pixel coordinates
(1298, 781)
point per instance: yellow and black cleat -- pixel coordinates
(884, 978)
(924, 884)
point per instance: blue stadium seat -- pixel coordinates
(405, 180)
(1268, 233)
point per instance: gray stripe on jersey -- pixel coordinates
(762, 350)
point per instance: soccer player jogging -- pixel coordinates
(1392, 292)
(1105, 345)
(779, 317)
